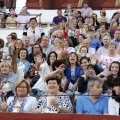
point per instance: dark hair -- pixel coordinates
(109, 81)
(83, 47)
(33, 19)
(116, 82)
(55, 77)
(13, 36)
(103, 23)
(103, 11)
(114, 15)
(90, 30)
(37, 53)
(2, 43)
(39, 47)
(90, 66)
(56, 63)
(77, 62)
(79, 12)
(82, 36)
(2, 4)
(48, 60)
(21, 50)
(84, 57)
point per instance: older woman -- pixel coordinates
(68, 45)
(8, 79)
(21, 102)
(102, 32)
(55, 101)
(106, 59)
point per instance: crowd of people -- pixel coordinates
(75, 70)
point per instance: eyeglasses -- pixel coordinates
(23, 87)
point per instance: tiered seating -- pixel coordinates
(33, 4)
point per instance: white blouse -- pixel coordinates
(113, 107)
(30, 104)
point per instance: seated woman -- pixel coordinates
(43, 69)
(55, 101)
(21, 102)
(11, 21)
(58, 46)
(32, 74)
(72, 72)
(84, 51)
(22, 62)
(114, 101)
(7, 77)
(83, 80)
(18, 45)
(102, 31)
(106, 59)
(12, 60)
(109, 75)
(80, 40)
(68, 45)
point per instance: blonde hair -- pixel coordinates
(5, 63)
(25, 81)
(57, 40)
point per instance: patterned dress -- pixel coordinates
(63, 101)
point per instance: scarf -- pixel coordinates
(34, 35)
(13, 102)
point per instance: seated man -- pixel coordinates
(59, 18)
(47, 48)
(93, 102)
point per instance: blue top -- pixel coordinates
(95, 43)
(86, 106)
(78, 73)
(26, 63)
(57, 19)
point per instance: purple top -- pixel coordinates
(57, 19)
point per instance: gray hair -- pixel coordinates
(92, 81)
(46, 37)
(6, 63)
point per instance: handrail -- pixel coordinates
(53, 116)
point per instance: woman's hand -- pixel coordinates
(106, 73)
(54, 103)
(36, 111)
(3, 105)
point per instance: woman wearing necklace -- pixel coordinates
(55, 101)
(21, 102)
(33, 31)
(22, 62)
